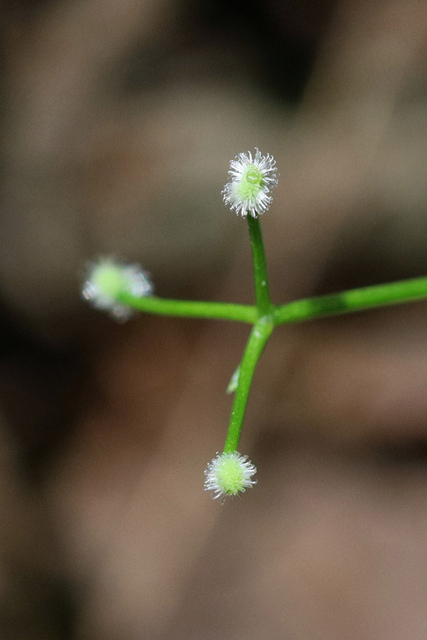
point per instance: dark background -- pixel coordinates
(118, 121)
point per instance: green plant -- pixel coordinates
(120, 288)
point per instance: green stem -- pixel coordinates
(191, 309)
(262, 291)
(353, 300)
(257, 340)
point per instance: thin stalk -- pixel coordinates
(353, 300)
(191, 309)
(262, 291)
(258, 338)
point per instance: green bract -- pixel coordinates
(252, 179)
(229, 474)
(109, 279)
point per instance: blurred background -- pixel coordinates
(118, 121)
